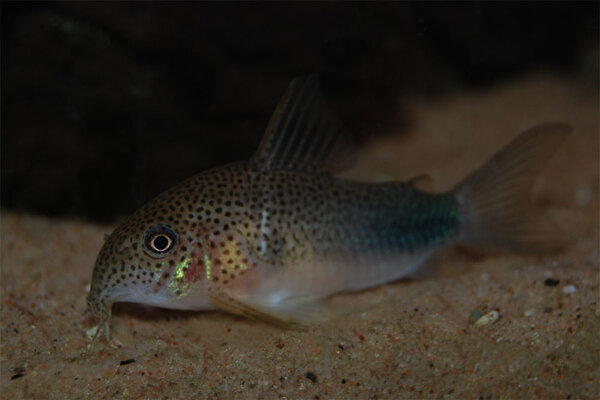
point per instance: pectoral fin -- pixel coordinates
(225, 302)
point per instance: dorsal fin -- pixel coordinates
(303, 133)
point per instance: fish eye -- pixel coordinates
(160, 240)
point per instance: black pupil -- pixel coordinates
(160, 242)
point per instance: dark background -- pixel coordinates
(106, 104)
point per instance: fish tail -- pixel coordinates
(494, 201)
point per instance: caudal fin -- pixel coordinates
(495, 201)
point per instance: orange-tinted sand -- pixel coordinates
(409, 339)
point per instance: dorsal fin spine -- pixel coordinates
(297, 133)
(284, 123)
(303, 134)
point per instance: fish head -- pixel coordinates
(177, 248)
(153, 258)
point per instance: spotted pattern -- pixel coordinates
(234, 220)
(204, 212)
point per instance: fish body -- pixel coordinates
(267, 237)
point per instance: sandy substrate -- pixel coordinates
(409, 339)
